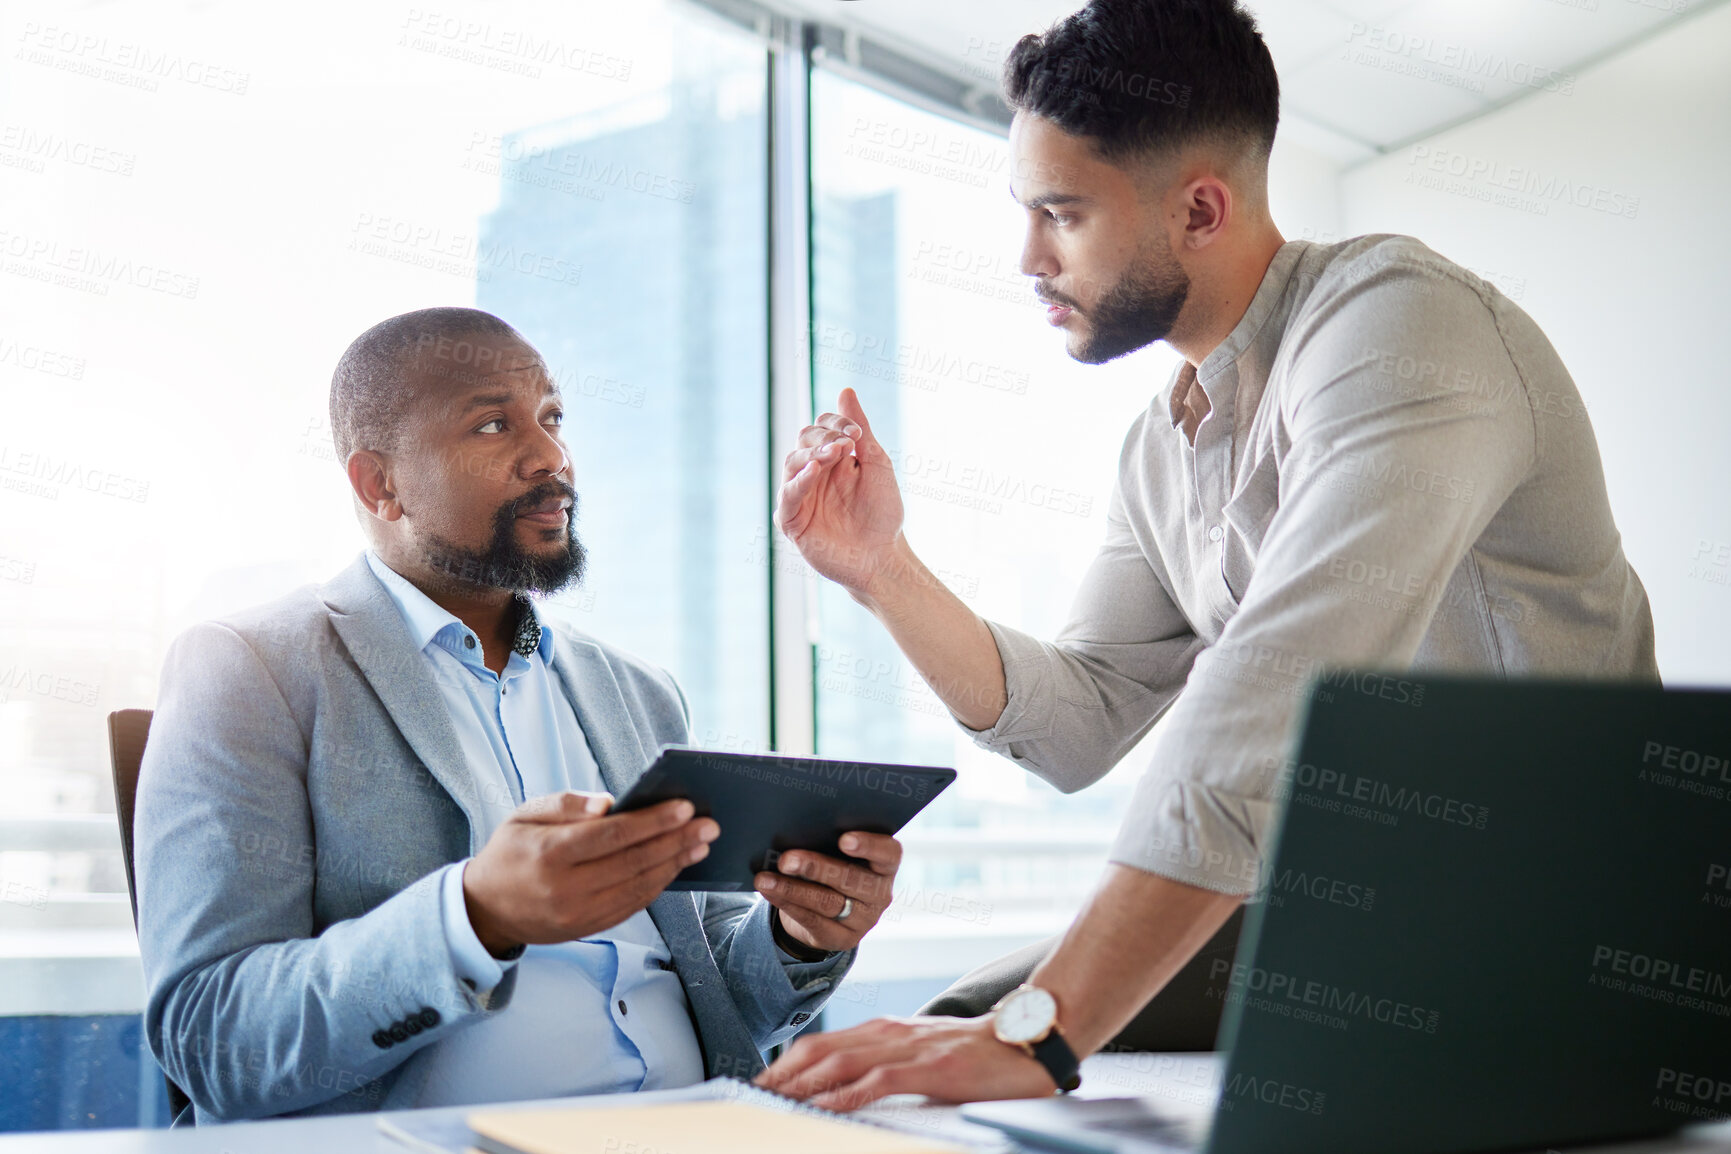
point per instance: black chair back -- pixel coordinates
(127, 731)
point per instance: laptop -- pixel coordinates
(1498, 916)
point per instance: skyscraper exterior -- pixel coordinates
(628, 246)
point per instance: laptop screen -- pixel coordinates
(1495, 916)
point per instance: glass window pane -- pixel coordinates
(202, 210)
(1006, 451)
(660, 347)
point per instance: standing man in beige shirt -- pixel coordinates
(1369, 459)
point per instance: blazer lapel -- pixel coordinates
(622, 754)
(367, 620)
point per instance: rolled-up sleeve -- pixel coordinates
(1386, 480)
(1077, 704)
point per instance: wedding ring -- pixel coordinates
(846, 909)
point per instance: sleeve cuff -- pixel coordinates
(802, 977)
(789, 962)
(469, 958)
(1195, 834)
(1023, 659)
(778, 933)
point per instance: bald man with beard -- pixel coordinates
(376, 865)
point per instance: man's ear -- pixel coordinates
(370, 478)
(1206, 206)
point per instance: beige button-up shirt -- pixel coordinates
(1394, 472)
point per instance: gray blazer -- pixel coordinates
(301, 784)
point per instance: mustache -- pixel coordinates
(1047, 296)
(545, 491)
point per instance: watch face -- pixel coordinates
(1025, 1016)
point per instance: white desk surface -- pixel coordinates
(1184, 1078)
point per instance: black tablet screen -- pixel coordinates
(767, 805)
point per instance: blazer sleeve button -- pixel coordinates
(382, 1040)
(398, 1032)
(429, 1017)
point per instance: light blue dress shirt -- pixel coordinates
(601, 1015)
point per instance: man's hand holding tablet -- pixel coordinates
(827, 903)
(814, 837)
(561, 868)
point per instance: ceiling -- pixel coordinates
(1358, 77)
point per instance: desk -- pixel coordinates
(1187, 1080)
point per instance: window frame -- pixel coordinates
(795, 47)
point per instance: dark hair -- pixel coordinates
(1141, 76)
(367, 389)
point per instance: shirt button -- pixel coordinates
(468, 643)
(1216, 533)
(622, 1005)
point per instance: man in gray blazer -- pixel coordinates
(375, 862)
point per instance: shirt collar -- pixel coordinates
(426, 619)
(1249, 346)
(1252, 325)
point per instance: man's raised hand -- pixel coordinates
(839, 503)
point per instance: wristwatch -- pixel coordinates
(1027, 1018)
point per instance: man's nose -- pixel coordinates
(1036, 258)
(547, 455)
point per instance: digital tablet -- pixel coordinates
(767, 804)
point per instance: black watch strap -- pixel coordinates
(1060, 1061)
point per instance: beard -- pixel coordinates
(505, 564)
(1134, 313)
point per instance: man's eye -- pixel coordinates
(496, 425)
(1057, 217)
(556, 417)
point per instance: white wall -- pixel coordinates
(1635, 302)
(1304, 183)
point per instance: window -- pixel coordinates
(654, 207)
(1006, 451)
(202, 212)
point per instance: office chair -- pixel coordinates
(127, 731)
